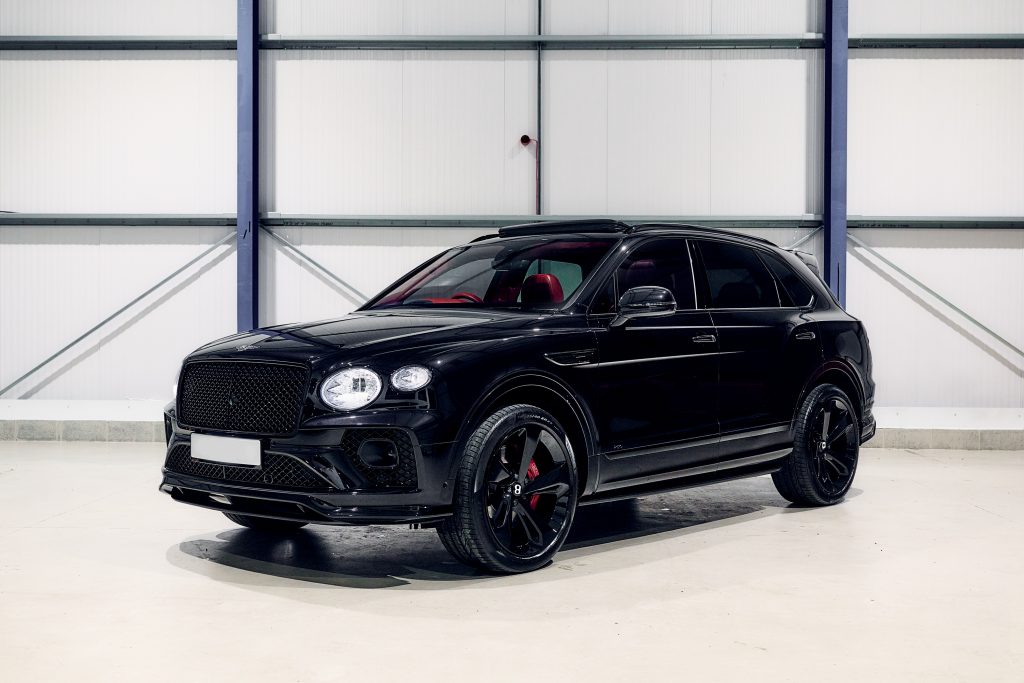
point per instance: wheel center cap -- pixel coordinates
(517, 489)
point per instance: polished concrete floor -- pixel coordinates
(916, 577)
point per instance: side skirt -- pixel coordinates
(713, 473)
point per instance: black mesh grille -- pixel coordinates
(252, 398)
(278, 470)
(402, 475)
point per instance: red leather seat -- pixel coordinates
(542, 288)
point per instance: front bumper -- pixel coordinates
(318, 476)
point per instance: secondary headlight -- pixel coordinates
(351, 388)
(410, 378)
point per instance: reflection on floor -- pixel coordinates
(919, 569)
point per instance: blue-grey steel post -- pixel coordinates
(836, 66)
(248, 274)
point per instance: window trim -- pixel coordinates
(624, 257)
(755, 249)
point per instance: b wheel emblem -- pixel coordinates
(517, 489)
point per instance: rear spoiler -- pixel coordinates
(808, 260)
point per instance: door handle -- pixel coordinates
(704, 339)
(805, 336)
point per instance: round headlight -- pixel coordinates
(351, 388)
(410, 378)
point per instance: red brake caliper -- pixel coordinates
(532, 472)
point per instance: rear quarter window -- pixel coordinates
(794, 288)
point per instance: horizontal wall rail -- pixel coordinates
(117, 43)
(546, 42)
(115, 219)
(485, 221)
(937, 41)
(518, 42)
(937, 222)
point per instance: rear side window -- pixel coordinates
(736, 277)
(798, 293)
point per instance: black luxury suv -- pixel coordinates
(503, 383)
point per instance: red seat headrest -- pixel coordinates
(542, 288)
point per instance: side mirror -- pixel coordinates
(644, 302)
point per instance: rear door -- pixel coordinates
(657, 376)
(768, 344)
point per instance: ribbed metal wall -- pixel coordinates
(936, 16)
(399, 17)
(357, 132)
(117, 17)
(937, 132)
(56, 283)
(683, 132)
(637, 17)
(117, 132)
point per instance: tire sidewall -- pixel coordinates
(479, 457)
(804, 444)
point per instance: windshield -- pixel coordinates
(533, 272)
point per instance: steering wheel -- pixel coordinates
(468, 296)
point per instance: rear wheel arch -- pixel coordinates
(836, 373)
(550, 394)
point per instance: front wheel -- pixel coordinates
(826, 448)
(515, 493)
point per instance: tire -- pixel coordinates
(502, 521)
(816, 474)
(275, 526)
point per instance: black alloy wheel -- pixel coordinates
(826, 449)
(515, 496)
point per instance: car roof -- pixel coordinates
(604, 227)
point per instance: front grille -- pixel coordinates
(246, 397)
(279, 471)
(401, 475)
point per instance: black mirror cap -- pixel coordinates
(640, 302)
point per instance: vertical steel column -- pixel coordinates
(540, 101)
(248, 132)
(836, 66)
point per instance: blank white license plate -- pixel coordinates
(226, 449)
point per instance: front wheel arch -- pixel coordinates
(550, 394)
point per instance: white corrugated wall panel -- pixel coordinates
(367, 259)
(399, 132)
(56, 283)
(936, 16)
(682, 17)
(117, 132)
(723, 132)
(924, 353)
(399, 17)
(117, 17)
(936, 132)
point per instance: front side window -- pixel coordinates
(736, 277)
(659, 263)
(533, 272)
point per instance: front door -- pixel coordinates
(656, 377)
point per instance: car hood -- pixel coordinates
(308, 341)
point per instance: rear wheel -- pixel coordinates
(515, 493)
(826, 448)
(277, 526)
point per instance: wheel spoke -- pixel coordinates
(824, 422)
(840, 469)
(532, 438)
(842, 427)
(551, 482)
(525, 516)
